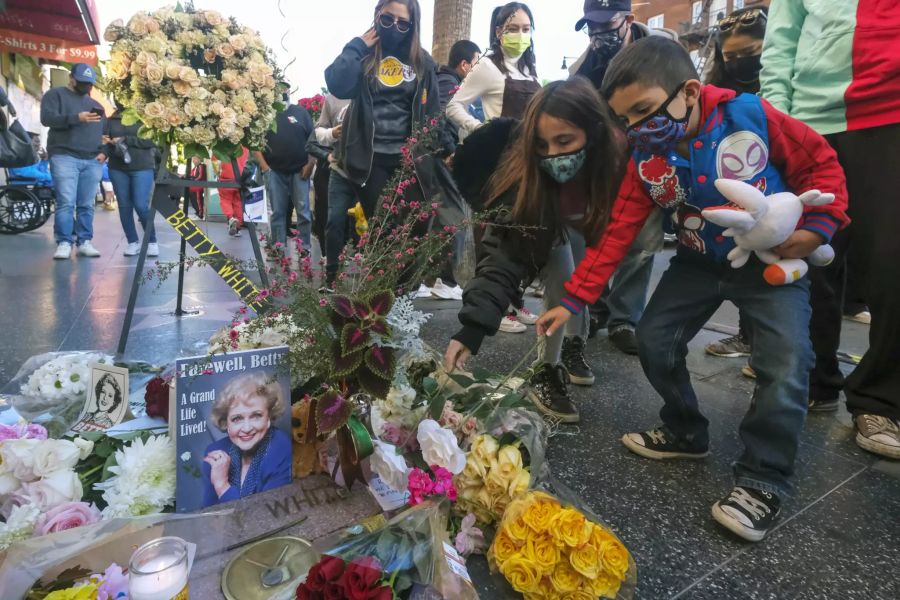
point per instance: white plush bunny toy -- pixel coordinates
(758, 223)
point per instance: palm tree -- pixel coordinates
(452, 22)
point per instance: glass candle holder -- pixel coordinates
(158, 570)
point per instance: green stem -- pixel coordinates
(86, 475)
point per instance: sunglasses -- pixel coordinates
(742, 20)
(388, 20)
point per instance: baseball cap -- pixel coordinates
(84, 73)
(601, 11)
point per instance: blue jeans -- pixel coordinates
(133, 189)
(76, 181)
(283, 190)
(627, 293)
(341, 198)
(689, 293)
(559, 268)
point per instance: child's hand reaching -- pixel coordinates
(801, 244)
(552, 320)
(456, 356)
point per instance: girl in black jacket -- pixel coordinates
(392, 83)
(555, 186)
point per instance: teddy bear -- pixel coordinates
(306, 444)
(758, 223)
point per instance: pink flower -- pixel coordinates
(323, 302)
(31, 431)
(420, 486)
(114, 583)
(470, 539)
(68, 515)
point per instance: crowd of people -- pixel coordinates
(585, 177)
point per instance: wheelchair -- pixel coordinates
(25, 204)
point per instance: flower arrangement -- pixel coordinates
(111, 584)
(63, 378)
(143, 478)
(547, 550)
(193, 77)
(359, 579)
(437, 481)
(156, 397)
(493, 476)
(314, 105)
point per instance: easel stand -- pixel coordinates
(163, 187)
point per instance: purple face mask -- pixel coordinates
(660, 132)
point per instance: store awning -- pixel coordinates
(64, 30)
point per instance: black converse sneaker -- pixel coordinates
(573, 360)
(747, 513)
(547, 390)
(661, 444)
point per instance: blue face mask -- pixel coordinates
(659, 132)
(563, 167)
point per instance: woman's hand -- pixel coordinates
(220, 464)
(801, 244)
(370, 37)
(456, 356)
(552, 320)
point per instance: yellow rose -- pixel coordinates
(138, 25)
(212, 18)
(521, 573)
(172, 70)
(225, 50)
(518, 530)
(605, 585)
(599, 535)
(189, 75)
(154, 110)
(615, 558)
(539, 514)
(509, 460)
(499, 504)
(175, 118)
(586, 560)
(504, 547)
(542, 549)
(564, 578)
(473, 474)
(496, 481)
(238, 42)
(145, 58)
(570, 527)
(154, 73)
(117, 69)
(579, 595)
(520, 484)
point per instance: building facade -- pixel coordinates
(688, 17)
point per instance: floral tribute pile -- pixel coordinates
(314, 105)
(194, 78)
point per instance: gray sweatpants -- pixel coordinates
(559, 268)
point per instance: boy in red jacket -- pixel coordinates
(684, 136)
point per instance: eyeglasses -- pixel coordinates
(745, 19)
(388, 20)
(592, 29)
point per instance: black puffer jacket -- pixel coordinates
(509, 257)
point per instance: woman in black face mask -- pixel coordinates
(738, 49)
(392, 84)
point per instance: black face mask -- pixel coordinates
(82, 88)
(606, 44)
(745, 69)
(391, 39)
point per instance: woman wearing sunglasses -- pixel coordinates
(392, 84)
(506, 78)
(739, 44)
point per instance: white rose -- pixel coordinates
(8, 483)
(54, 455)
(54, 489)
(19, 526)
(439, 447)
(390, 466)
(401, 396)
(18, 457)
(85, 447)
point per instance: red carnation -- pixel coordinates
(156, 398)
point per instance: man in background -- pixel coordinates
(75, 146)
(463, 56)
(321, 145)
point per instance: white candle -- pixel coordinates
(159, 571)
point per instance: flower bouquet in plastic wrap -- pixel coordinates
(546, 547)
(409, 557)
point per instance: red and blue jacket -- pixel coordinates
(741, 137)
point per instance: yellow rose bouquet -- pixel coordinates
(546, 550)
(493, 476)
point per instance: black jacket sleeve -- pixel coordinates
(499, 277)
(344, 76)
(314, 148)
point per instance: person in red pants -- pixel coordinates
(230, 198)
(196, 196)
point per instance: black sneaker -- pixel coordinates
(661, 444)
(821, 406)
(573, 360)
(625, 340)
(547, 390)
(747, 513)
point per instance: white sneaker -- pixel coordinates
(509, 324)
(63, 251)
(152, 249)
(525, 316)
(441, 291)
(132, 249)
(424, 291)
(232, 227)
(87, 249)
(864, 317)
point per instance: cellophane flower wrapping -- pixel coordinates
(411, 550)
(550, 545)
